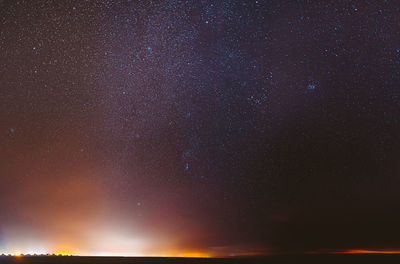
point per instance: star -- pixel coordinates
(311, 86)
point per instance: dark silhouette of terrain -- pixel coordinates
(310, 259)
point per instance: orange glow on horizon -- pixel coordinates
(68, 251)
(368, 251)
(64, 252)
(357, 251)
(190, 254)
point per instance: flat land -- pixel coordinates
(309, 259)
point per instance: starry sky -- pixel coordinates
(209, 128)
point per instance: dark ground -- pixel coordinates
(353, 258)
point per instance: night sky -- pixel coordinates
(199, 128)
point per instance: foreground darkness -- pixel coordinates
(199, 128)
(311, 259)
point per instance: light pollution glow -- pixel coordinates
(71, 215)
(368, 251)
(357, 251)
(91, 234)
(70, 253)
